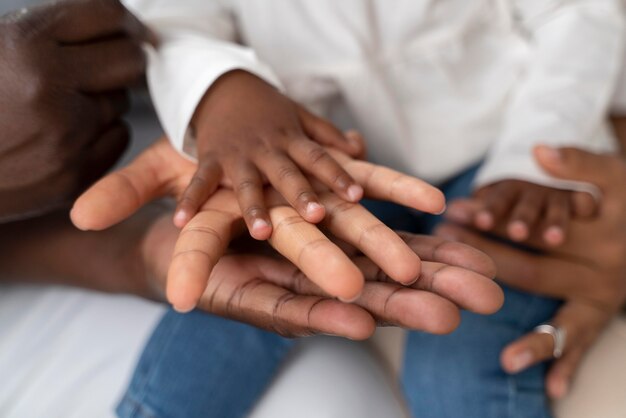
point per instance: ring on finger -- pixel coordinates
(558, 335)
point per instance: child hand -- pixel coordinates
(526, 208)
(247, 132)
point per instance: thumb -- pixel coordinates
(120, 194)
(578, 165)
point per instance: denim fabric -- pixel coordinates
(459, 375)
(199, 365)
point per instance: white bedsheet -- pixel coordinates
(68, 353)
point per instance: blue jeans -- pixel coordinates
(459, 375)
(198, 365)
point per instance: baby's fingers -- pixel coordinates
(525, 214)
(315, 160)
(248, 186)
(199, 247)
(287, 178)
(497, 200)
(325, 133)
(202, 185)
(558, 212)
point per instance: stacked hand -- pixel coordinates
(427, 296)
(588, 271)
(248, 133)
(523, 209)
(64, 71)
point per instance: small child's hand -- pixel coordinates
(247, 132)
(525, 208)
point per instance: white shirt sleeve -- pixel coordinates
(577, 48)
(197, 45)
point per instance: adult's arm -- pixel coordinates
(134, 256)
(65, 68)
(588, 272)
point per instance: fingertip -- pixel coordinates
(518, 362)
(554, 236)
(355, 139)
(558, 388)
(77, 219)
(182, 308)
(261, 229)
(407, 273)
(314, 212)
(181, 299)
(518, 230)
(484, 220)
(355, 193)
(181, 218)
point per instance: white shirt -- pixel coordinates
(433, 84)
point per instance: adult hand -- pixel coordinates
(588, 272)
(64, 71)
(274, 294)
(161, 171)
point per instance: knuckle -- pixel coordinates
(305, 196)
(254, 211)
(247, 185)
(341, 179)
(317, 155)
(287, 172)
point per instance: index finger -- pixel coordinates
(383, 183)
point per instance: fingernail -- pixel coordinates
(351, 300)
(313, 208)
(355, 193)
(522, 361)
(180, 219)
(260, 225)
(441, 212)
(183, 309)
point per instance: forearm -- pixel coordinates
(50, 250)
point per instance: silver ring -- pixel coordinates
(558, 335)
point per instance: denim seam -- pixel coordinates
(147, 379)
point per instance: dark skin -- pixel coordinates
(524, 209)
(65, 69)
(248, 133)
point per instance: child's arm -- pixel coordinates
(219, 103)
(577, 54)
